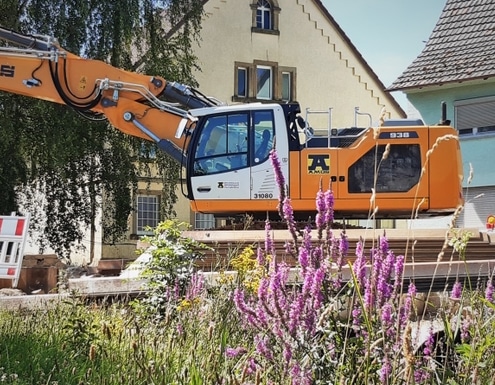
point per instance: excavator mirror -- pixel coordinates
(305, 131)
(180, 128)
(301, 122)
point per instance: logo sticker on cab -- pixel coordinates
(318, 164)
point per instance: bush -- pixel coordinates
(170, 274)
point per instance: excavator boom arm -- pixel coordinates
(37, 67)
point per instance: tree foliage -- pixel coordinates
(60, 166)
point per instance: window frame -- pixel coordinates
(244, 70)
(140, 227)
(207, 221)
(480, 105)
(260, 88)
(276, 85)
(223, 145)
(274, 18)
(261, 145)
(289, 85)
(264, 14)
(148, 150)
(363, 178)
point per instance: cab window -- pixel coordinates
(223, 145)
(263, 135)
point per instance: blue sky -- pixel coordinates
(389, 34)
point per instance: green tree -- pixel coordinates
(62, 166)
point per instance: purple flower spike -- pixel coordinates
(288, 215)
(279, 176)
(344, 244)
(279, 180)
(387, 315)
(489, 292)
(456, 290)
(384, 287)
(385, 370)
(321, 209)
(399, 267)
(359, 266)
(329, 202)
(303, 259)
(429, 344)
(408, 304)
(235, 352)
(269, 246)
(383, 244)
(295, 314)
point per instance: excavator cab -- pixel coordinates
(229, 167)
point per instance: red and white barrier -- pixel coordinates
(13, 235)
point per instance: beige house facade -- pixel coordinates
(274, 50)
(303, 47)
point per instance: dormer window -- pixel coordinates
(265, 16)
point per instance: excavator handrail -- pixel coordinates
(39, 42)
(27, 52)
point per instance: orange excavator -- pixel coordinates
(224, 149)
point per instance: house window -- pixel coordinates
(264, 80)
(286, 86)
(147, 213)
(204, 221)
(475, 116)
(148, 150)
(265, 16)
(242, 82)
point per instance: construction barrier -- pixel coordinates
(13, 234)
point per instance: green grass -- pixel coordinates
(79, 343)
(259, 328)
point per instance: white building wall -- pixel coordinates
(79, 255)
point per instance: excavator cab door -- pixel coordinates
(220, 165)
(263, 140)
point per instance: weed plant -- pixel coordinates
(270, 324)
